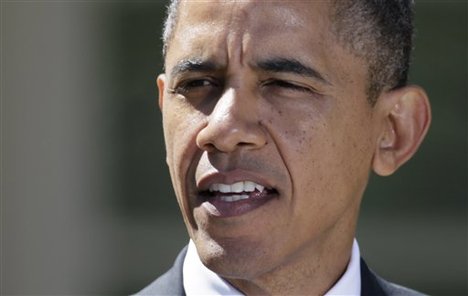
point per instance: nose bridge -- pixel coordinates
(228, 109)
(233, 123)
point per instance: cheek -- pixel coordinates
(327, 152)
(181, 125)
(294, 124)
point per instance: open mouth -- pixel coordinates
(227, 200)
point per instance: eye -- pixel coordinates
(193, 85)
(198, 90)
(196, 83)
(283, 85)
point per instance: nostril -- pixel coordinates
(245, 144)
(208, 147)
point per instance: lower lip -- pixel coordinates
(223, 209)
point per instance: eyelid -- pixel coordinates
(182, 85)
(293, 84)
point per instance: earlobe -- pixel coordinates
(406, 119)
(161, 82)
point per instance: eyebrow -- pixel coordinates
(285, 65)
(193, 65)
(293, 66)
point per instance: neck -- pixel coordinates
(313, 270)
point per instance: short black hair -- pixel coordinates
(378, 31)
(170, 23)
(381, 32)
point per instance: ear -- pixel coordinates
(406, 116)
(161, 82)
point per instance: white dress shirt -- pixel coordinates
(199, 280)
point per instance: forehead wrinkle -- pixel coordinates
(225, 20)
(234, 22)
(238, 35)
(241, 31)
(247, 18)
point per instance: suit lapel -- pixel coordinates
(370, 284)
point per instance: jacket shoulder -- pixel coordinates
(394, 289)
(170, 283)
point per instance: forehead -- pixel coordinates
(262, 20)
(265, 16)
(251, 30)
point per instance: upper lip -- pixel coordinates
(231, 177)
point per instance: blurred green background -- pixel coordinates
(87, 206)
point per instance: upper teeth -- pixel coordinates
(243, 186)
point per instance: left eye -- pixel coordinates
(287, 85)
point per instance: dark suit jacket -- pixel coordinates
(171, 282)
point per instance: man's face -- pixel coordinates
(262, 97)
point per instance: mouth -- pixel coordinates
(239, 198)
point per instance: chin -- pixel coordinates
(234, 258)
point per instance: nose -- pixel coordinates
(233, 124)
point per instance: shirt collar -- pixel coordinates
(199, 280)
(350, 281)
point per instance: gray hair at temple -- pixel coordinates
(377, 31)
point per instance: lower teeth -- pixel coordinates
(232, 198)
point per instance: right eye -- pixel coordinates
(196, 87)
(198, 91)
(197, 83)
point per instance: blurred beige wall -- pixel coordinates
(58, 234)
